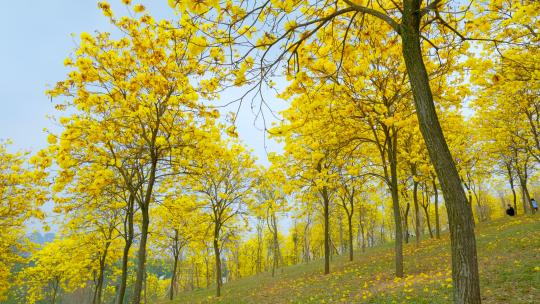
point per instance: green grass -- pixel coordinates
(509, 262)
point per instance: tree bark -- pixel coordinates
(123, 279)
(526, 195)
(101, 274)
(173, 277)
(306, 249)
(275, 241)
(416, 213)
(218, 266)
(406, 222)
(326, 202)
(349, 218)
(259, 246)
(462, 238)
(511, 181)
(176, 253)
(398, 246)
(141, 257)
(56, 285)
(129, 234)
(428, 221)
(341, 241)
(349, 199)
(436, 203)
(145, 206)
(425, 206)
(363, 237)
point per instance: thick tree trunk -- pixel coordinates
(145, 287)
(463, 243)
(141, 257)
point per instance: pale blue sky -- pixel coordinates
(36, 37)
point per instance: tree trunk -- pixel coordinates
(197, 270)
(173, 275)
(123, 279)
(511, 180)
(425, 206)
(416, 213)
(101, 275)
(363, 237)
(129, 234)
(306, 249)
(426, 212)
(145, 287)
(526, 194)
(56, 285)
(437, 219)
(361, 228)
(326, 202)
(398, 247)
(259, 247)
(463, 243)
(341, 242)
(383, 240)
(207, 272)
(145, 211)
(277, 253)
(97, 289)
(349, 218)
(406, 222)
(218, 266)
(295, 243)
(141, 257)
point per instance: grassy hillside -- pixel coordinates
(509, 259)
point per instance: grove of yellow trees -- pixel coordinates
(403, 120)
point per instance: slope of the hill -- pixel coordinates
(509, 261)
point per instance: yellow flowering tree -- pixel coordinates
(22, 192)
(132, 111)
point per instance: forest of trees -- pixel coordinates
(405, 120)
